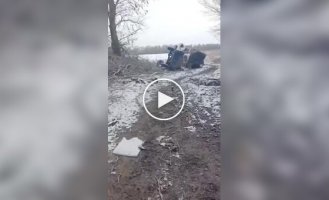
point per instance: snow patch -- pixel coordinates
(123, 108)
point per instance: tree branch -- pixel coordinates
(139, 22)
(131, 34)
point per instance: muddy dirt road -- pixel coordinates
(181, 159)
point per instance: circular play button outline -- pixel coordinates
(169, 118)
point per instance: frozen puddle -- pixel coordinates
(129, 148)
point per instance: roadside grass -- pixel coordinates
(127, 66)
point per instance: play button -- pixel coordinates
(163, 99)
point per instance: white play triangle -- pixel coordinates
(163, 99)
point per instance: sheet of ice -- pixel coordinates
(155, 57)
(128, 147)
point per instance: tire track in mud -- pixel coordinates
(190, 75)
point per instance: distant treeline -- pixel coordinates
(163, 48)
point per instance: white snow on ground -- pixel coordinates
(125, 101)
(200, 93)
(123, 108)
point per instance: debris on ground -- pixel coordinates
(163, 140)
(139, 80)
(113, 123)
(168, 143)
(129, 148)
(210, 82)
(191, 128)
(160, 138)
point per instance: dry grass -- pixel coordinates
(130, 66)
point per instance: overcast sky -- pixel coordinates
(176, 21)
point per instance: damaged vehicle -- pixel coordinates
(178, 59)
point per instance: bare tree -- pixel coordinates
(125, 21)
(213, 10)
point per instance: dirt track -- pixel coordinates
(184, 163)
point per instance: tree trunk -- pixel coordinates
(115, 44)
